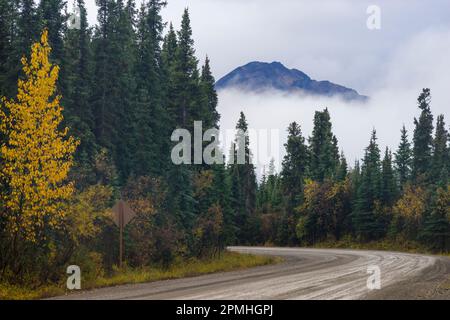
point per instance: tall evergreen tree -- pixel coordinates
(403, 158)
(270, 194)
(209, 97)
(355, 174)
(104, 120)
(324, 152)
(186, 101)
(180, 200)
(423, 140)
(169, 48)
(114, 45)
(342, 170)
(125, 44)
(262, 197)
(369, 191)
(294, 167)
(244, 185)
(77, 73)
(389, 184)
(190, 98)
(168, 63)
(221, 194)
(440, 162)
(150, 118)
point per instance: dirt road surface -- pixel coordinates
(305, 274)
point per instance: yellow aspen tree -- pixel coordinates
(36, 155)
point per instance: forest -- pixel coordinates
(86, 118)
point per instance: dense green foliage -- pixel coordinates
(404, 197)
(125, 87)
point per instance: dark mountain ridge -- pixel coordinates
(263, 76)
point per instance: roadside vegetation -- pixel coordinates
(228, 261)
(399, 245)
(393, 199)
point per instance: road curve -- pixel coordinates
(305, 274)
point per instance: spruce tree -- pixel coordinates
(221, 195)
(103, 85)
(150, 119)
(114, 81)
(186, 100)
(169, 48)
(270, 195)
(124, 44)
(389, 184)
(294, 167)
(403, 158)
(423, 140)
(436, 226)
(78, 86)
(168, 62)
(369, 191)
(440, 162)
(209, 97)
(181, 204)
(243, 180)
(324, 152)
(342, 170)
(261, 194)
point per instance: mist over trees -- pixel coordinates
(397, 196)
(124, 86)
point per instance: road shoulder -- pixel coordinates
(433, 283)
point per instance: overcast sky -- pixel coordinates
(328, 40)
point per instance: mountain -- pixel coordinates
(262, 76)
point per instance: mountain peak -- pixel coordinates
(257, 76)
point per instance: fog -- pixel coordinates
(421, 62)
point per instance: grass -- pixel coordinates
(228, 261)
(12, 292)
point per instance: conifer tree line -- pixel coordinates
(123, 86)
(401, 195)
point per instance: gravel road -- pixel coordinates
(305, 274)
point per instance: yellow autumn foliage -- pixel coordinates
(412, 204)
(86, 211)
(36, 155)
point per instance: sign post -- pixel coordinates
(122, 214)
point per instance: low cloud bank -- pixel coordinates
(421, 62)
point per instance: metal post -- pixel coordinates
(121, 218)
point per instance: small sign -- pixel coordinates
(122, 208)
(122, 214)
